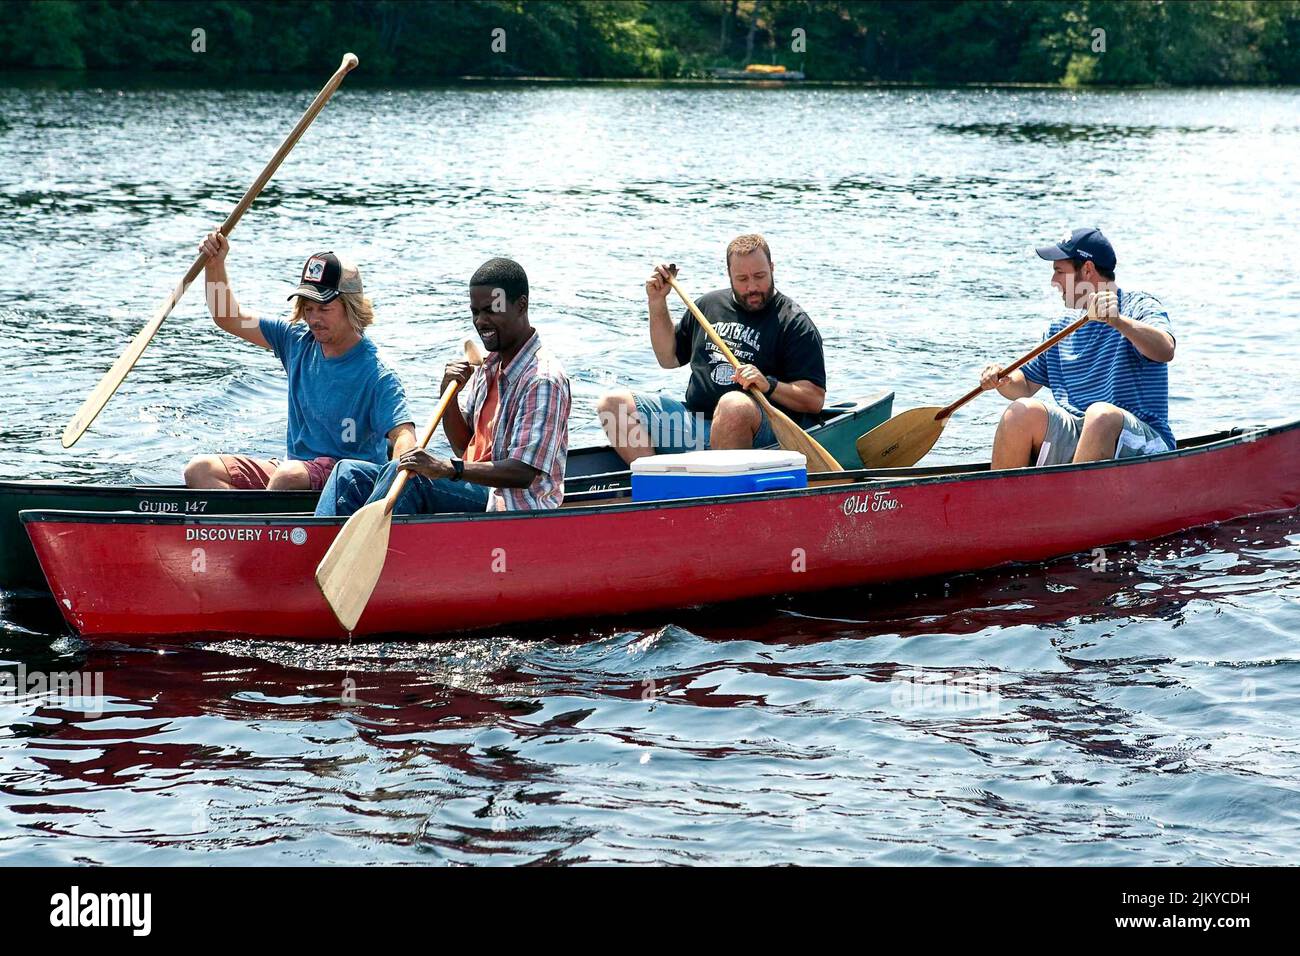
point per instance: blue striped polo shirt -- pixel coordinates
(1097, 364)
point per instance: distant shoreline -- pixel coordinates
(147, 79)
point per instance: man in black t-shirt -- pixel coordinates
(778, 347)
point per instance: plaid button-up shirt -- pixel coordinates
(532, 422)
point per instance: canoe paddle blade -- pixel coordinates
(793, 438)
(348, 573)
(903, 440)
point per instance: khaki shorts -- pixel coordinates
(1063, 430)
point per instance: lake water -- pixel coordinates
(1144, 712)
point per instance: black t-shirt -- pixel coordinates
(780, 340)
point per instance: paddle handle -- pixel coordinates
(1029, 357)
(114, 377)
(475, 356)
(346, 66)
(787, 431)
(714, 337)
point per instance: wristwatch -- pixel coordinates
(457, 468)
(771, 384)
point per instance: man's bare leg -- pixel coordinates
(1102, 424)
(736, 421)
(207, 472)
(1020, 434)
(623, 426)
(290, 476)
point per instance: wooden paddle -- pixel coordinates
(348, 573)
(905, 439)
(95, 403)
(788, 435)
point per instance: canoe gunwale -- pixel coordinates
(839, 482)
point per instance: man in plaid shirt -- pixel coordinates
(509, 429)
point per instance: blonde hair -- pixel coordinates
(356, 306)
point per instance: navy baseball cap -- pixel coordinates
(1085, 245)
(324, 276)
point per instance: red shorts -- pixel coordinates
(252, 474)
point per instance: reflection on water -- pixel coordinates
(1134, 706)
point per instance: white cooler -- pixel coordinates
(701, 474)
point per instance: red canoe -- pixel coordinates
(121, 574)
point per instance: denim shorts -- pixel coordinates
(675, 428)
(354, 484)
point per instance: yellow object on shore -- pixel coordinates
(764, 68)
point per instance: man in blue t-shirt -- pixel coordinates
(344, 401)
(1110, 379)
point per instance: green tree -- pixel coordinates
(51, 34)
(917, 41)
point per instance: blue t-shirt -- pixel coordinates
(341, 407)
(1097, 364)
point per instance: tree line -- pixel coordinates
(1102, 42)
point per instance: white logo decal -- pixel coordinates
(174, 507)
(867, 503)
(298, 536)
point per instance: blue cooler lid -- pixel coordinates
(731, 461)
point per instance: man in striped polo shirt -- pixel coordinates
(509, 428)
(1110, 379)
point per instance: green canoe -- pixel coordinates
(589, 469)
